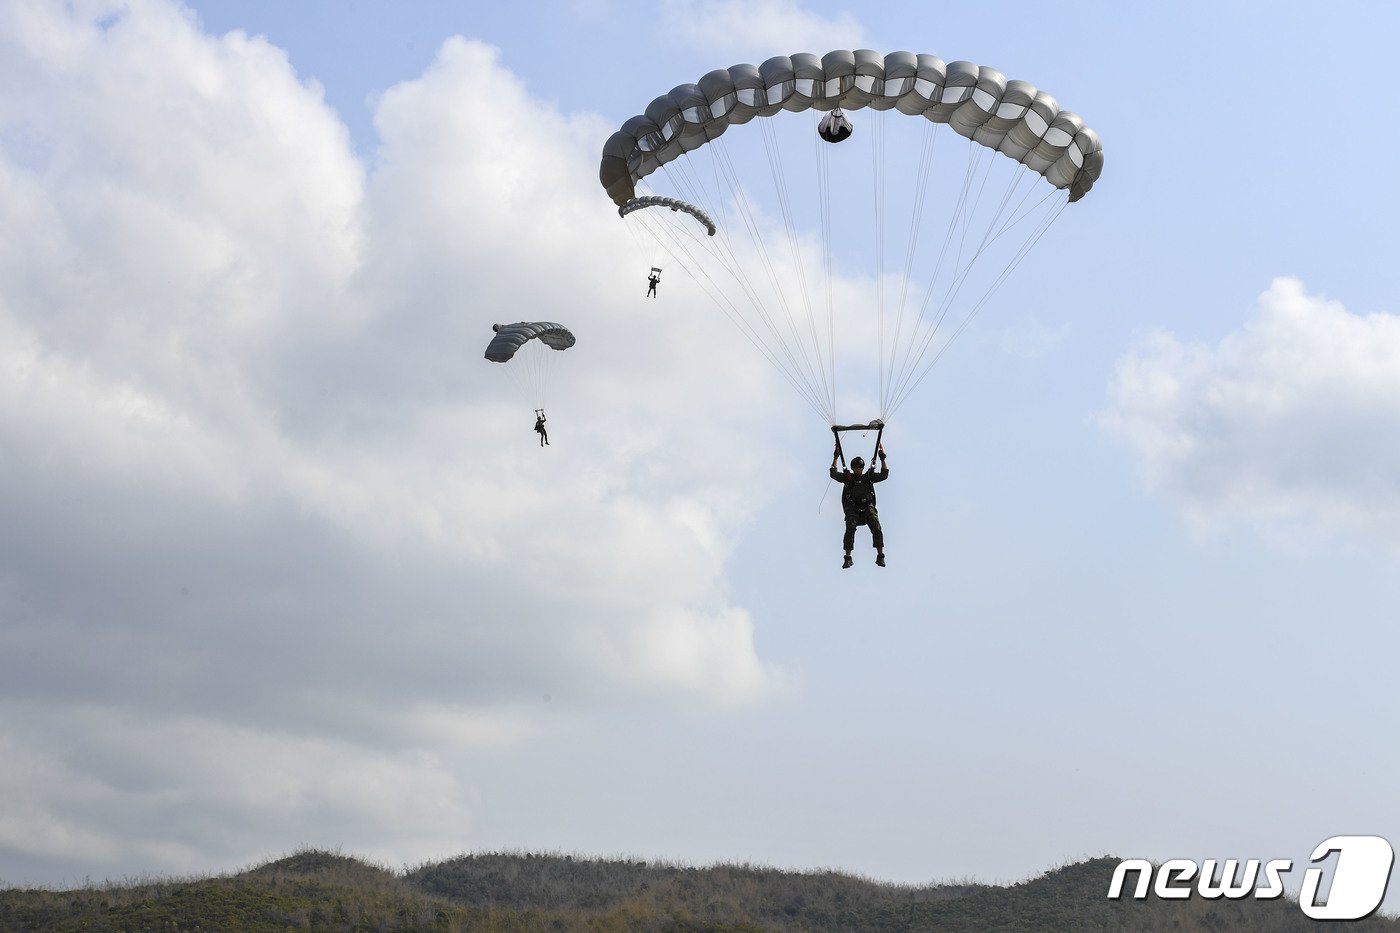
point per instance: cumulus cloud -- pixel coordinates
(264, 500)
(203, 794)
(762, 28)
(1291, 422)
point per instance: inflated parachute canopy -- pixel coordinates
(675, 204)
(511, 337)
(1012, 117)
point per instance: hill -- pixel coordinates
(317, 890)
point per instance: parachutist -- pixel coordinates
(537, 339)
(858, 502)
(651, 283)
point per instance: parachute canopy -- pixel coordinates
(511, 337)
(1012, 117)
(675, 204)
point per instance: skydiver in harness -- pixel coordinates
(539, 426)
(652, 280)
(858, 501)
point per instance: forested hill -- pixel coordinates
(313, 890)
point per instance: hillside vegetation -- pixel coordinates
(316, 890)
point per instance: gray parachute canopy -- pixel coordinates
(675, 204)
(1010, 117)
(511, 337)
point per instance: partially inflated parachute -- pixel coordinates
(675, 204)
(784, 277)
(511, 337)
(528, 350)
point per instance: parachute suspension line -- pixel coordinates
(526, 383)
(976, 205)
(960, 224)
(922, 175)
(547, 355)
(722, 201)
(515, 380)
(916, 371)
(776, 166)
(1041, 228)
(786, 344)
(685, 257)
(678, 171)
(537, 364)
(737, 267)
(528, 375)
(823, 163)
(953, 219)
(961, 269)
(989, 235)
(647, 245)
(877, 180)
(677, 249)
(697, 271)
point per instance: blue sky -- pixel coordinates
(268, 506)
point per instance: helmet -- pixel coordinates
(858, 462)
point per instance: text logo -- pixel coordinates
(1356, 885)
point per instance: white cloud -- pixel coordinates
(1292, 422)
(261, 490)
(105, 788)
(762, 27)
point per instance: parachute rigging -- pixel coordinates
(787, 278)
(527, 349)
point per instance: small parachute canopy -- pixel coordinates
(675, 204)
(511, 337)
(835, 127)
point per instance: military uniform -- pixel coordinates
(858, 502)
